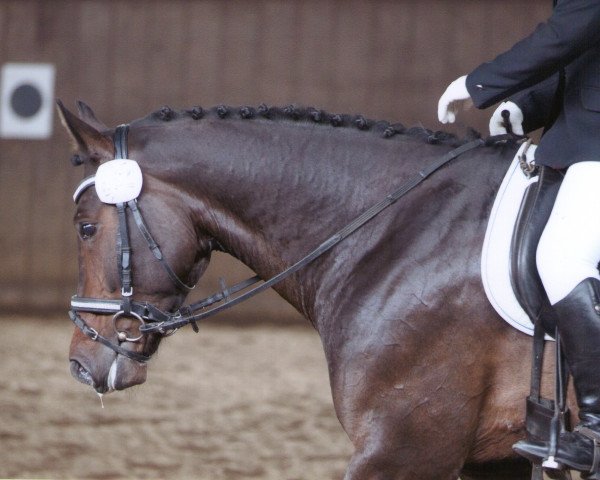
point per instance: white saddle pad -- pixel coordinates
(495, 258)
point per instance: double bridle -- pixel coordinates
(125, 172)
(153, 320)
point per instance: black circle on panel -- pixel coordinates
(26, 100)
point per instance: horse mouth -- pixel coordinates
(122, 374)
(81, 374)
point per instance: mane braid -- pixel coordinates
(293, 113)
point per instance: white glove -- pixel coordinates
(516, 119)
(455, 98)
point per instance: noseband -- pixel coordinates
(151, 318)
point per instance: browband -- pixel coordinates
(83, 186)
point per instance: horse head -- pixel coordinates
(124, 272)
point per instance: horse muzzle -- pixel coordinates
(106, 369)
(122, 374)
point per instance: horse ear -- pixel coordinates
(86, 138)
(88, 116)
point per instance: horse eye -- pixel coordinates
(87, 230)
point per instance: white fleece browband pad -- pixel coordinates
(118, 181)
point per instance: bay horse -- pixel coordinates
(427, 380)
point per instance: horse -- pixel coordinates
(427, 380)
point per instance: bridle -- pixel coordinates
(124, 307)
(154, 320)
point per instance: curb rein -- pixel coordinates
(154, 320)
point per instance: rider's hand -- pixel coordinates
(516, 119)
(455, 98)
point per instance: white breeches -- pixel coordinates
(569, 248)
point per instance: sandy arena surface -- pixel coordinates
(228, 403)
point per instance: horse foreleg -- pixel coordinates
(401, 425)
(390, 452)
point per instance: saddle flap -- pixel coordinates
(495, 257)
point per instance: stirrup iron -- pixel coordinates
(546, 418)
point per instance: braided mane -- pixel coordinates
(292, 113)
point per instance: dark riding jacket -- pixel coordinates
(553, 75)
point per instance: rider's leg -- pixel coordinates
(567, 259)
(569, 249)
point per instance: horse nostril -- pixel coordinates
(80, 373)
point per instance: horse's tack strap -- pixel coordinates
(95, 336)
(154, 248)
(83, 186)
(124, 248)
(101, 306)
(186, 315)
(120, 141)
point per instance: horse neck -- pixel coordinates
(270, 192)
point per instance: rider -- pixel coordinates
(552, 79)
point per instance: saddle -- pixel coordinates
(513, 205)
(545, 418)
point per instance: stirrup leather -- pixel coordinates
(546, 418)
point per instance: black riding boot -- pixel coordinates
(578, 321)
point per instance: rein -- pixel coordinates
(152, 319)
(186, 315)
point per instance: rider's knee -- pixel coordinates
(562, 267)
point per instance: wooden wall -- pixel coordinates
(383, 58)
